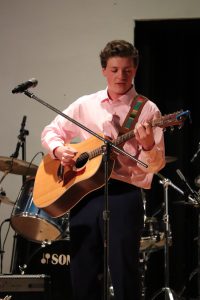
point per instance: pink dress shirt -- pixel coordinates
(99, 114)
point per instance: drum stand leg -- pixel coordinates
(169, 293)
(13, 257)
(143, 262)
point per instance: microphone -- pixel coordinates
(196, 153)
(25, 85)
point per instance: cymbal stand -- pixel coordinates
(144, 254)
(20, 144)
(144, 201)
(144, 258)
(144, 264)
(168, 292)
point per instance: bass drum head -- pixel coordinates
(53, 260)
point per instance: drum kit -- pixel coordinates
(35, 231)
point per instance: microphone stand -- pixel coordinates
(106, 157)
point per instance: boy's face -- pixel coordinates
(119, 74)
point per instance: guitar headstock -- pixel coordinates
(175, 119)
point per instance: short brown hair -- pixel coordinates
(119, 48)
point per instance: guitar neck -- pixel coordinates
(124, 137)
(169, 120)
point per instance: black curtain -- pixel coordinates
(169, 74)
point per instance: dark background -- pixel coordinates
(169, 74)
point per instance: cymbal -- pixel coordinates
(5, 200)
(16, 166)
(170, 159)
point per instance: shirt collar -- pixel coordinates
(126, 98)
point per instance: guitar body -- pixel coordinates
(56, 196)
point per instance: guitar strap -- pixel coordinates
(133, 114)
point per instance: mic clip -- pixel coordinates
(23, 133)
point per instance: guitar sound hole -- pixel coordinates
(82, 160)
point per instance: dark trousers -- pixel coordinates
(87, 237)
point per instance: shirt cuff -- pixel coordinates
(52, 148)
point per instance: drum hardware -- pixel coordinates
(5, 199)
(2, 252)
(168, 292)
(152, 240)
(7, 297)
(143, 260)
(197, 181)
(149, 235)
(196, 271)
(169, 159)
(189, 190)
(195, 154)
(144, 200)
(151, 244)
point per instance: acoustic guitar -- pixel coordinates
(57, 189)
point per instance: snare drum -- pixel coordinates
(34, 223)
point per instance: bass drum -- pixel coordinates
(34, 223)
(52, 260)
